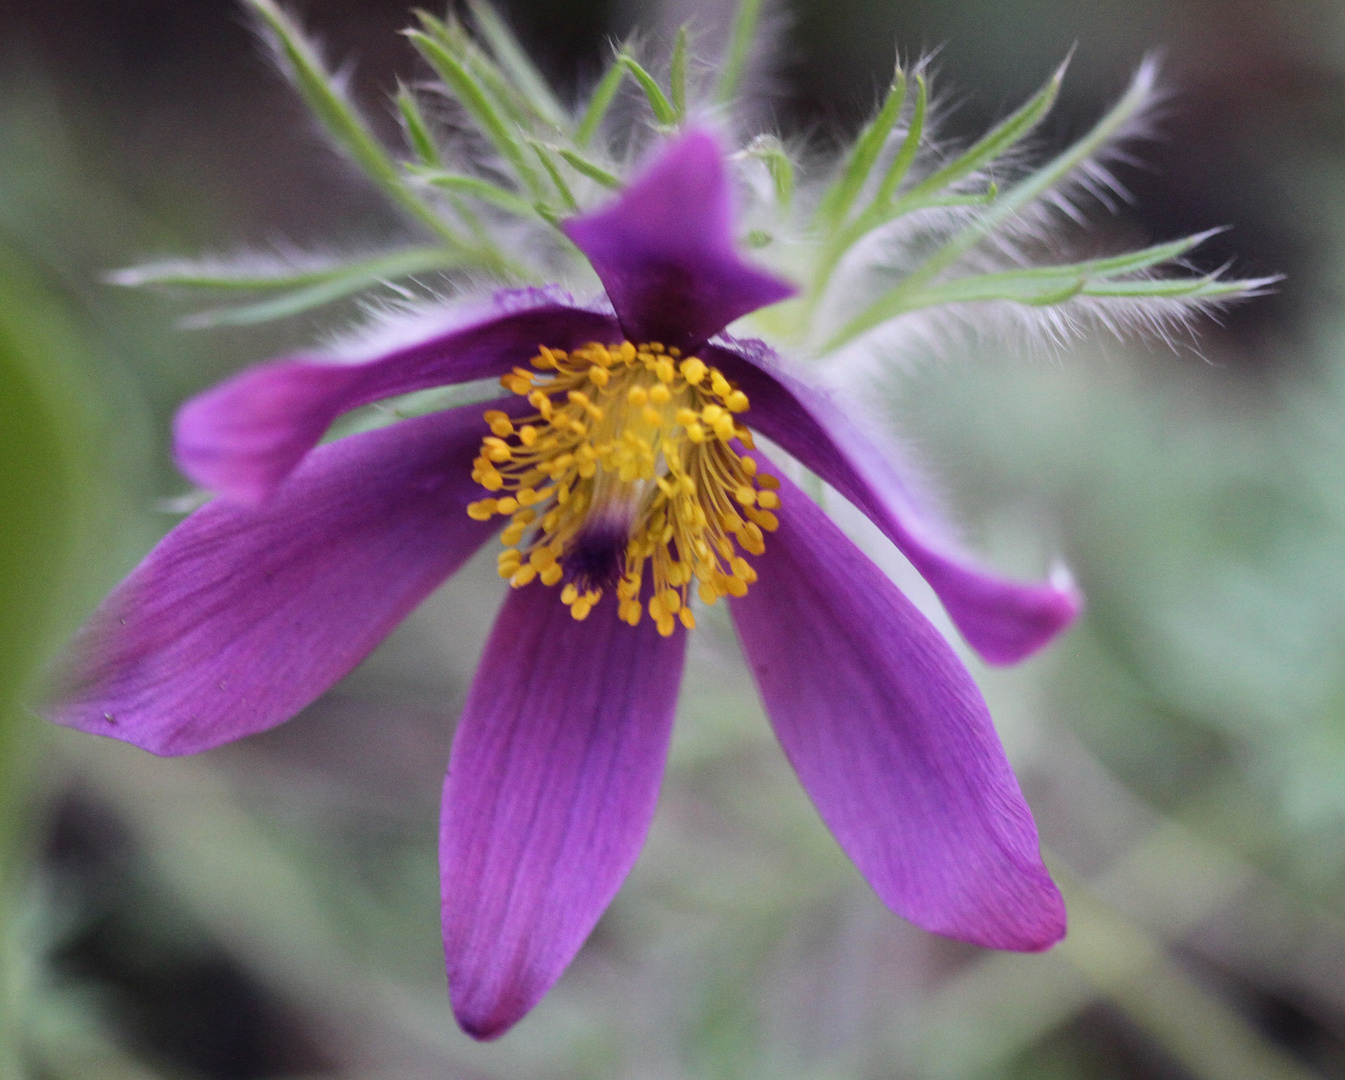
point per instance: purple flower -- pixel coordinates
(624, 478)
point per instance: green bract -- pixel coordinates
(893, 226)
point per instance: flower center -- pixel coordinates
(628, 460)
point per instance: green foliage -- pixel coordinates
(346, 127)
(44, 492)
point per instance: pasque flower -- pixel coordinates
(621, 469)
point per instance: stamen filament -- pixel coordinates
(637, 446)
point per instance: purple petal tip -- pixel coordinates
(665, 249)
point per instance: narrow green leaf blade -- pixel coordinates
(322, 94)
(1036, 184)
(478, 104)
(598, 103)
(910, 146)
(339, 117)
(1207, 287)
(417, 128)
(1047, 285)
(592, 171)
(477, 188)
(354, 279)
(515, 61)
(557, 179)
(772, 154)
(997, 141)
(841, 195)
(664, 112)
(244, 276)
(677, 75)
(740, 48)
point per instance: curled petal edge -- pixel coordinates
(243, 437)
(1005, 621)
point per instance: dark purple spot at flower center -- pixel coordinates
(596, 558)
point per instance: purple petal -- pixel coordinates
(1004, 621)
(551, 787)
(244, 436)
(241, 616)
(665, 250)
(892, 740)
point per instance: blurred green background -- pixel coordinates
(269, 910)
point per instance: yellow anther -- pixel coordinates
(499, 422)
(765, 519)
(617, 432)
(693, 370)
(770, 483)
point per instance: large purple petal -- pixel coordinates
(1004, 621)
(892, 740)
(244, 436)
(241, 616)
(550, 791)
(665, 249)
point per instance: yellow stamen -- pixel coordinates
(639, 447)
